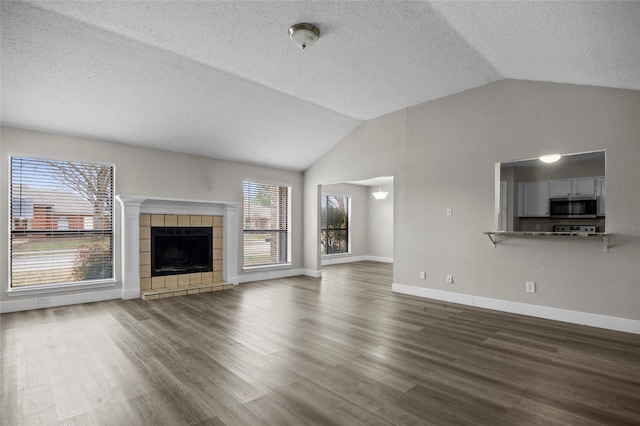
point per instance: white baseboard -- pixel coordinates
(131, 294)
(349, 259)
(233, 280)
(59, 300)
(574, 317)
(337, 259)
(271, 274)
(313, 273)
(380, 259)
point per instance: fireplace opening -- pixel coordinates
(181, 250)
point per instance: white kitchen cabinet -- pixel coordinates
(560, 188)
(584, 186)
(533, 199)
(601, 193)
(572, 187)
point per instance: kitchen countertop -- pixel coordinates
(493, 235)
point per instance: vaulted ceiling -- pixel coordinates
(223, 80)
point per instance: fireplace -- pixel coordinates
(181, 250)
(141, 213)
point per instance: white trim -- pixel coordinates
(574, 317)
(271, 274)
(445, 296)
(380, 259)
(313, 273)
(62, 300)
(57, 288)
(334, 259)
(131, 293)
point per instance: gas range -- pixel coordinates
(576, 228)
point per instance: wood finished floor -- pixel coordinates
(342, 350)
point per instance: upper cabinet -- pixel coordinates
(533, 199)
(572, 187)
(584, 186)
(560, 188)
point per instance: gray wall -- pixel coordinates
(375, 148)
(147, 172)
(442, 155)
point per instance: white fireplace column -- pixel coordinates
(132, 206)
(130, 246)
(230, 241)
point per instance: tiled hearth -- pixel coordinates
(184, 284)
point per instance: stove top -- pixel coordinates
(575, 228)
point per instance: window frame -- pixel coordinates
(347, 230)
(66, 285)
(287, 262)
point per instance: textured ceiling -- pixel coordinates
(222, 79)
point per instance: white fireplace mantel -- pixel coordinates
(133, 205)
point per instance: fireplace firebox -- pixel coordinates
(181, 250)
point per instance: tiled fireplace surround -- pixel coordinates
(139, 213)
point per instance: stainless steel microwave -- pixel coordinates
(574, 207)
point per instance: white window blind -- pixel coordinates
(266, 223)
(61, 222)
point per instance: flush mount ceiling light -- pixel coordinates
(550, 158)
(380, 195)
(304, 35)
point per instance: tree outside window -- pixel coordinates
(334, 225)
(61, 222)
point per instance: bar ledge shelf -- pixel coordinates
(494, 235)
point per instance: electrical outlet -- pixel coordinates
(43, 300)
(423, 275)
(449, 211)
(531, 287)
(537, 226)
(449, 279)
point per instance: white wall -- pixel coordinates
(442, 154)
(154, 173)
(380, 230)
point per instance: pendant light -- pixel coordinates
(380, 194)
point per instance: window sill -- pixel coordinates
(56, 288)
(257, 268)
(335, 255)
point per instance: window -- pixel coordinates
(61, 222)
(266, 223)
(334, 224)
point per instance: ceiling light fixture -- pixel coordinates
(380, 194)
(550, 158)
(304, 35)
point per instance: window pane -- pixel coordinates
(54, 259)
(265, 219)
(61, 221)
(265, 248)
